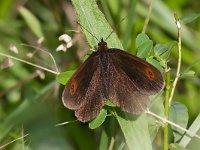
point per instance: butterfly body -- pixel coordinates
(111, 74)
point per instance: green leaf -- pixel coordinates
(191, 66)
(31, 21)
(104, 140)
(160, 49)
(176, 146)
(130, 23)
(24, 111)
(165, 55)
(155, 63)
(63, 77)
(141, 39)
(98, 120)
(109, 103)
(135, 130)
(189, 73)
(108, 130)
(158, 108)
(162, 16)
(192, 141)
(179, 115)
(93, 20)
(163, 51)
(190, 17)
(144, 45)
(144, 49)
(5, 6)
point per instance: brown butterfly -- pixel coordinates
(113, 74)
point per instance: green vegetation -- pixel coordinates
(31, 108)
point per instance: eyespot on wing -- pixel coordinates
(146, 78)
(149, 73)
(73, 87)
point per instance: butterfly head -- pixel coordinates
(102, 45)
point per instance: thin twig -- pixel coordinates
(111, 143)
(13, 141)
(67, 122)
(37, 48)
(63, 123)
(179, 59)
(29, 63)
(173, 124)
(146, 22)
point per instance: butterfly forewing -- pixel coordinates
(84, 91)
(75, 90)
(146, 78)
(132, 80)
(124, 93)
(111, 74)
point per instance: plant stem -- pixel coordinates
(164, 120)
(148, 17)
(179, 60)
(1, 147)
(167, 94)
(29, 63)
(37, 48)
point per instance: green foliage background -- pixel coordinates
(30, 105)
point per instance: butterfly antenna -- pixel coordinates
(88, 31)
(116, 27)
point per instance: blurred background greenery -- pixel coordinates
(32, 105)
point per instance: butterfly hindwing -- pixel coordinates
(94, 99)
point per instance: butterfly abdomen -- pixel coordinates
(105, 72)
